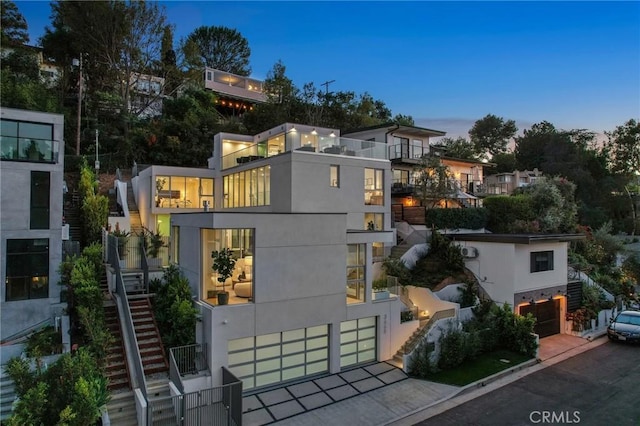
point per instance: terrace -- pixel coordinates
(240, 152)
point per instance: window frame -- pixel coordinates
(541, 265)
(334, 169)
(24, 258)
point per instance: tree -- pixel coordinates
(404, 120)
(434, 181)
(13, 28)
(505, 163)
(492, 134)
(222, 48)
(458, 148)
(624, 146)
(552, 203)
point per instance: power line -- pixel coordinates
(326, 85)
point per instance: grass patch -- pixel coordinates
(485, 365)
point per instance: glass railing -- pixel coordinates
(404, 151)
(326, 145)
(26, 149)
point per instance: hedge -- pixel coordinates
(467, 218)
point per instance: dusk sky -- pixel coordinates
(447, 64)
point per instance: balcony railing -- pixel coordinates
(27, 149)
(326, 145)
(407, 152)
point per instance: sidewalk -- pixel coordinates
(410, 401)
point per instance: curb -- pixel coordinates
(533, 365)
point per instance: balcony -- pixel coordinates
(404, 153)
(323, 145)
(30, 150)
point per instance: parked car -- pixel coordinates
(625, 326)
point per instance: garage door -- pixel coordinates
(357, 341)
(279, 357)
(547, 316)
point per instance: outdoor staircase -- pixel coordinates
(122, 409)
(163, 411)
(134, 215)
(152, 352)
(133, 282)
(399, 250)
(411, 341)
(7, 396)
(116, 369)
(72, 218)
(104, 283)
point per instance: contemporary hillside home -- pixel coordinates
(506, 183)
(527, 271)
(31, 208)
(147, 94)
(407, 145)
(305, 214)
(236, 94)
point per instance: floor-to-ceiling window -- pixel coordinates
(355, 272)
(273, 358)
(27, 273)
(373, 187)
(183, 192)
(248, 188)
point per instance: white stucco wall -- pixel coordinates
(526, 280)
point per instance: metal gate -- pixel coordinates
(547, 316)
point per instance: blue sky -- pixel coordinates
(447, 64)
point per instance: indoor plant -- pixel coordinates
(223, 264)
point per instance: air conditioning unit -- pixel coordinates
(470, 252)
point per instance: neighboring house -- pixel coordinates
(147, 94)
(236, 94)
(31, 208)
(407, 145)
(506, 183)
(49, 72)
(305, 213)
(527, 271)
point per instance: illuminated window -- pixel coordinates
(248, 188)
(356, 271)
(334, 176)
(373, 187)
(27, 269)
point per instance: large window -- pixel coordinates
(183, 192)
(374, 221)
(355, 272)
(277, 357)
(374, 187)
(542, 261)
(27, 269)
(40, 196)
(357, 341)
(27, 141)
(248, 188)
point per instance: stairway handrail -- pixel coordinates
(128, 328)
(412, 344)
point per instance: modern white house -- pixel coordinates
(31, 229)
(306, 214)
(236, 93)
(527, 271)
(406, 146)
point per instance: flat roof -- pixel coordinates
(401, 128)
(517, 238)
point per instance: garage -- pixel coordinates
(547, 316)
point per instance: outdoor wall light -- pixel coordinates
(532, 302)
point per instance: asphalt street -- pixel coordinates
(598, 387)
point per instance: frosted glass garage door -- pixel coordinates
(357, 341)
(272, 358)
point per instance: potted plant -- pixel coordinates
(223, 265)
(159, 187)
(152, 242)
(123, 239)
(380, 290)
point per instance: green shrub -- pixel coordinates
(503, 211)
(93, 253)
(453, 349)
(421, 364)
(44, 342)
(469, 218)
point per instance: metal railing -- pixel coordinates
(129, 330)
(212, 406)
(413, 343)
(190, 359)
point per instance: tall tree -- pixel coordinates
(13, 29)
(458, 148)
(624, 147)
(222, 48)
(492, 134)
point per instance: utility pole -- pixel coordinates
(326, 86)
(79, 117)
(97, 163)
